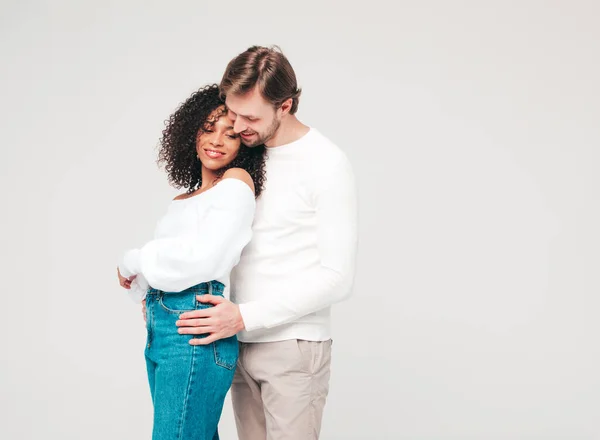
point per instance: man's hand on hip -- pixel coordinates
(221, 321)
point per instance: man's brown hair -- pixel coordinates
(267, 68)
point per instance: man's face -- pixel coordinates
(254, 118)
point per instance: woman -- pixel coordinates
(196, 244)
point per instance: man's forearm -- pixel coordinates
(307, 294)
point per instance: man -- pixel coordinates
(300, 260)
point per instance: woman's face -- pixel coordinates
(216, 143)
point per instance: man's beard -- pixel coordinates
(264, 137)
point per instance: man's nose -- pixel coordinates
(238, 125)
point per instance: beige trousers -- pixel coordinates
(279, 389)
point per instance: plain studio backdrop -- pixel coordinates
(473, 127)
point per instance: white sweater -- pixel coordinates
(302, 255)
(199, 239)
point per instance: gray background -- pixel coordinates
(473, 127)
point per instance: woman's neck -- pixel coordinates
(208, 179)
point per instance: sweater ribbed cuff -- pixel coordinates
(252, 316)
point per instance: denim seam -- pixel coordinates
(212, 286)
(150, 322)
(187, 395)
(218, 359)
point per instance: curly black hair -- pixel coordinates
(178, 144)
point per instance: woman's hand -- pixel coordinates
(125, 282)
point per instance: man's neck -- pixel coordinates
(290, 130)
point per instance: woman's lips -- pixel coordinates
(213, 154)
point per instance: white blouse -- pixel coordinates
(199, 239)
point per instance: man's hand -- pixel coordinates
(125, 282)
(221, 321)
